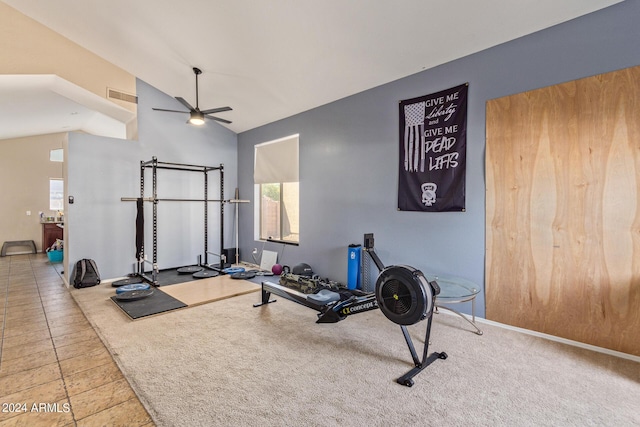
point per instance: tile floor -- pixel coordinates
(54, 369)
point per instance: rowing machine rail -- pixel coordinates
(337, 311)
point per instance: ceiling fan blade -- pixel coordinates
(218, 119)
(185, 103)
(216, 110)
(170, 111)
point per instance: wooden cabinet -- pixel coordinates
(50, 232)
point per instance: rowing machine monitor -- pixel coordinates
(368, 241)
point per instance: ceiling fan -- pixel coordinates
(197, 116)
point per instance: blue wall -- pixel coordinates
(349, 150)
(102, 170)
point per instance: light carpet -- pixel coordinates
(229, 364)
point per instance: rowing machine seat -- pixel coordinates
(323, 297)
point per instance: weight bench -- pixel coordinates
(6, 245)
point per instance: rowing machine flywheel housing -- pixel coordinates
(404, 295)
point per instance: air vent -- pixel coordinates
(116, 94)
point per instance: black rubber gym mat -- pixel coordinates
(172, 277)
(159, 302)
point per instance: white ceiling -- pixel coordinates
(272, 59)
(45, 103)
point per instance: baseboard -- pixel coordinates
(114, 279)
(561, 340)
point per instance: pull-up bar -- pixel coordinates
(155, 199)
(179, 166)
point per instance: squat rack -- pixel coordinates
(154, 164)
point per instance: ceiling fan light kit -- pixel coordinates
(196, 117)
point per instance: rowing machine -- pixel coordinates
(402, 293)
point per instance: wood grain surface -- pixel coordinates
(563, 214)
(208, 290)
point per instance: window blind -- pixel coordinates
(276, 161)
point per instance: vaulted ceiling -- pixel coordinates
(272, 59)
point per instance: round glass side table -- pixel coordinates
(455, 290)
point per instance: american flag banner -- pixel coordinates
(413, 135)
(432, 160)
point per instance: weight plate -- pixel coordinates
(189, 270)
(132, 287)
(205, 274)
(244, 275)
(134, 295)
(127, 281)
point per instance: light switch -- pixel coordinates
(28, 213)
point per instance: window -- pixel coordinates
(56, 155)
(56, 191)
(277, 190)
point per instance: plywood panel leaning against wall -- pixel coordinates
(563, 211)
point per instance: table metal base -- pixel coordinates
(471, 322)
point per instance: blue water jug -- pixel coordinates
(353, 267)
